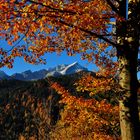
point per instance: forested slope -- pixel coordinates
(33, 110)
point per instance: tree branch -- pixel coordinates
(112, 6)
(12, 47)
(52, 8)
(82, 29)
(91, 33)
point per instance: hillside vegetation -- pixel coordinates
(53, 108)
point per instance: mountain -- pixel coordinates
(3, 75)
(73, 68)
(26, 75)
(57, 68)
(18, 76)
(53, 73)
(29, 75)
(66, 69)
(41, 74)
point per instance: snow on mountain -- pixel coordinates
(73, 68)
(57, 68)
(66, 69)
(56, 71)
(53, 73)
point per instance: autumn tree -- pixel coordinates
(97, 29)
(85, 118)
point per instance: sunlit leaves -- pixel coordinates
(86, 118)
(74, 26)
(55, 26)
(95, 85)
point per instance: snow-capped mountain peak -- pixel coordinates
(56, 71)
(73, 68)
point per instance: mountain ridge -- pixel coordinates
(59, 70)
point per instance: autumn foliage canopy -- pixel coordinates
(54, 26)
(32, 28)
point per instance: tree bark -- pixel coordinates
(127, 52)
(129, 118)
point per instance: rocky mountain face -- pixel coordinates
(41, 74)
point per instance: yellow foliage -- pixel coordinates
(86, 118)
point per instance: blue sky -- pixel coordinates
(52, 60)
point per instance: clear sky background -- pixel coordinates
(52, 60)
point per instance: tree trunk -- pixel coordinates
(127, 51)
(129, 118)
